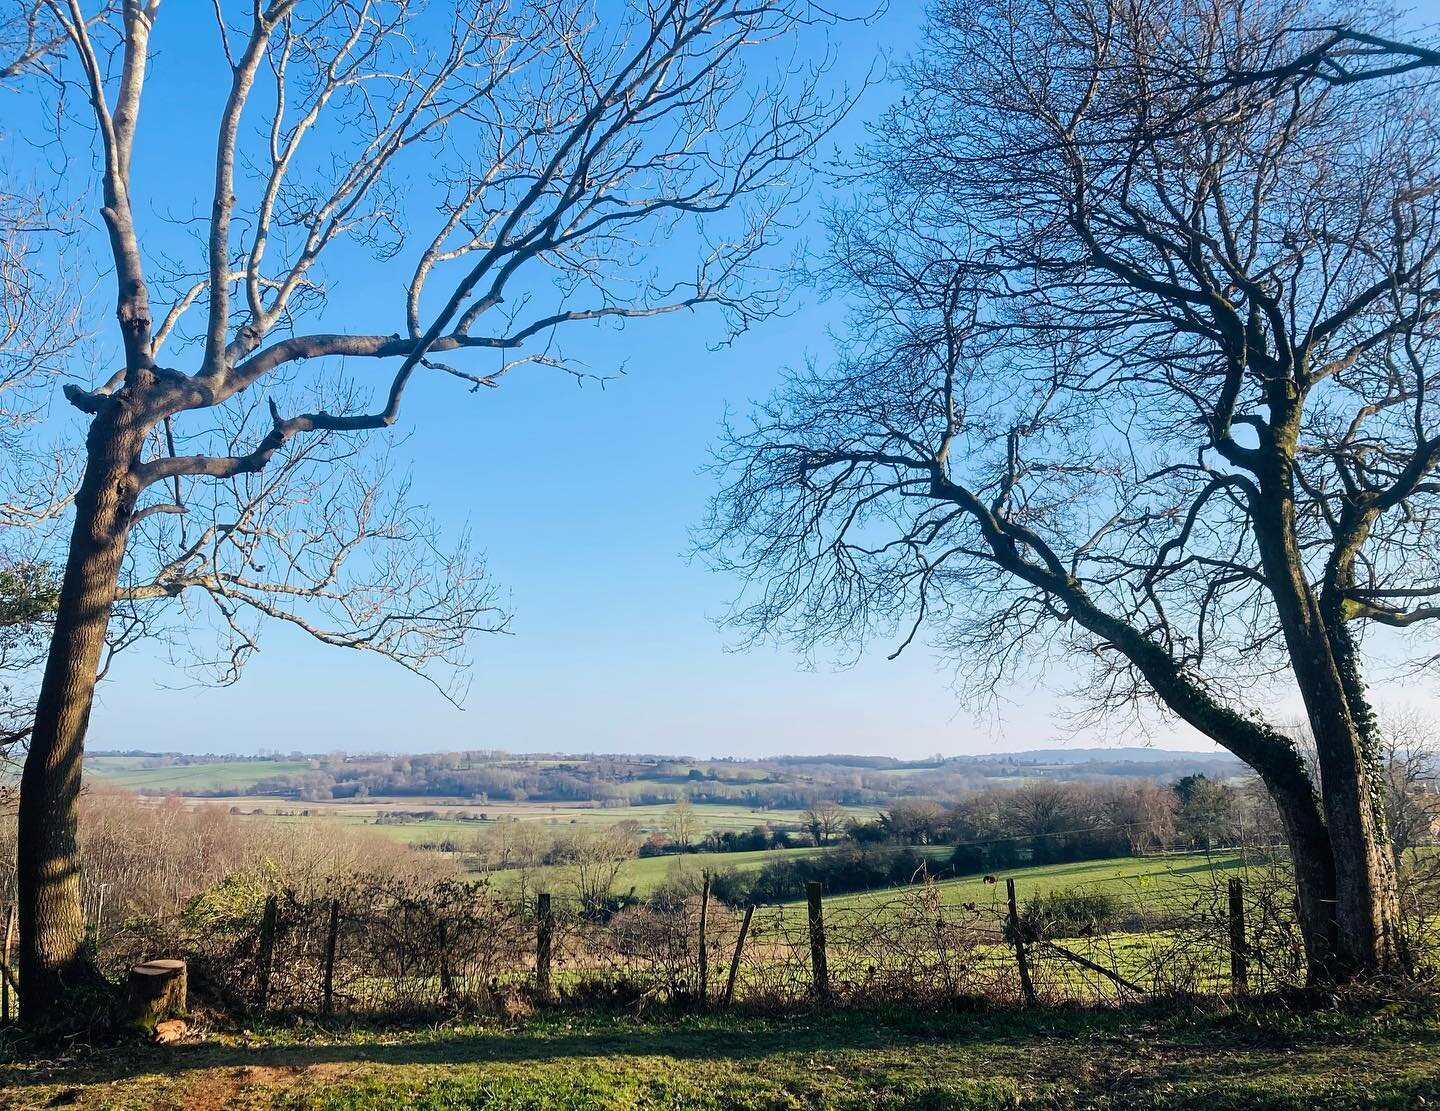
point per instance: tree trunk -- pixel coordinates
(1367, 906)
(157, 992)
(52, 932)
(1312, 857)
(1362, 748)
(1367, 898)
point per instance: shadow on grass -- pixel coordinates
(559, 1035)
(1062, 1037)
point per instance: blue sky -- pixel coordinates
(582, 498)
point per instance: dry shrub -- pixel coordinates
(145, 859)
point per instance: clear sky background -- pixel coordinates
(582, 499)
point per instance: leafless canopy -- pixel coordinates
(514, 162)
(38, 332)
(1119, 263)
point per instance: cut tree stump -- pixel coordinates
(157, 992)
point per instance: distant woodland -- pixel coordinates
(785, 782)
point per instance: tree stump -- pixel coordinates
(157, 992)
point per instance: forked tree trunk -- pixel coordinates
(53, 957)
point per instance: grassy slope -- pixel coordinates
(1143, 1058)
(650, 872)
(1150, 877)
(464, 833)
(1147, 878)
(125, 771)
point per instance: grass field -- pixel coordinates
(1145, 1057)
(1154, 879)
(131, 772)
(648, 873)
(709, 817)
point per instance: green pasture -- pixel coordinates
(1153, 881)
(709, 817)
(131, 772)
(645, 874)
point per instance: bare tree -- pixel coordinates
(1140, 374)
(824, 821)
(1141, 810)
(594, 856)
(549, 147)
(1411, 749)
(682, 823)
(916, 821)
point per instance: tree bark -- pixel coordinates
(1367, 909)
(52, 931)
(1367, 900)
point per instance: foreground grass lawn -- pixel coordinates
(1141, 1058)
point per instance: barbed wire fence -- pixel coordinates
(387, 947)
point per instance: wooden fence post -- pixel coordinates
(704, 956)
(735, 960)
(817, 940)
(544, 925)
(1239, 957)
(267, 949)
(332, 935)
(446, 986)
(5, 961)
(1027, 988)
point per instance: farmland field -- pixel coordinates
(1156, 881)
(648, 873)
(133, 772)
(450, 818)
(1153, 879)
(449, 825)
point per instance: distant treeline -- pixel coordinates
(1040, 822)
(993, 831)
(848, 869)
(784, 782)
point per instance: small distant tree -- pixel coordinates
(872, 832)
(917, 821)
(824, 821)
(1208, 812)
(594, 857)
(1140, 811)
(682, 823)
(1412, 779)
(1043, 812)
